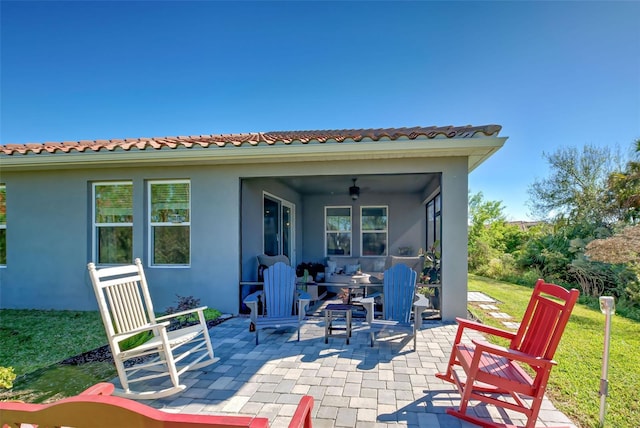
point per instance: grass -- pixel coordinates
(33, 339)
(575, 382)
(33, 342)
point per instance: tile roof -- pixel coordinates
(253, 139)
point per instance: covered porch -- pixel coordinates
(341, 224)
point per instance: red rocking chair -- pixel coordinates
(494, 374)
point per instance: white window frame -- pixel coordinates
(283, 203)
(96, 226)
(363, 232)
(3, 226)
(152, 224)
(350, 232)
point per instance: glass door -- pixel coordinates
(279, 227)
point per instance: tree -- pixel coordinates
(490, 236)
(577, 187)
(621, 248)
(624, 190)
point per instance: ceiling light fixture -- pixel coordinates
(354, 191)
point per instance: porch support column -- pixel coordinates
(454, 240)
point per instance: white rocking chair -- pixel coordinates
(127, 310)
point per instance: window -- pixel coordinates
(434, 218)
(337, 226)
(374, 224)
(113, 222)
(170, 222)
(3, 225)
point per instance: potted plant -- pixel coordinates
(431, 273)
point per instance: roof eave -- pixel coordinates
(477, 149)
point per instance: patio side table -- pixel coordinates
(335, 312)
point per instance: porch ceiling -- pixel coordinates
(339, 184)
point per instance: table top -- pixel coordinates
(338, 307)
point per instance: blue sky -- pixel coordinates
(553, 74)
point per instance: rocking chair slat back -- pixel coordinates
(127, 307)
(123, 297)
(544, 320)
(279, 288)
(399, 291)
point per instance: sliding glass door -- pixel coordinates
(279, 227)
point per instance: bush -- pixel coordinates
(7, 376)
(135, 341)
(501, 267)
(185, 303)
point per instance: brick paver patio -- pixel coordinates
(354, 385)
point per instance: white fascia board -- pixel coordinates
(477, 149)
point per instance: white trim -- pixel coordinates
(362, 232)
(95, 225)
(326, 207)
(292, 237)
(151, 224)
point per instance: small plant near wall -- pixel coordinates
(186, 303)
(431, 270)
(312, 269)
(7, 376)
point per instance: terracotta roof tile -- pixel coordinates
(253, 139)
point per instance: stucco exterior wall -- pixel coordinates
(49, 238)
(49, 228)
(454, 241)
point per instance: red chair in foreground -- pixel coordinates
(97, 408)
(494, 374)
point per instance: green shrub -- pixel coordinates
(501, 267)
(7, 376)
(135, 341)
(186, 303)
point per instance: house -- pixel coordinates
(199, 209)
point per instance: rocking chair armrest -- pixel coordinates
(302, 416)
(483, 328)
(181, 313)
(101, 388)
(511, 354)
(122, 336)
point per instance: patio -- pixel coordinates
(353, 385)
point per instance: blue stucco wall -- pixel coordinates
(49, 228)
(49, 238)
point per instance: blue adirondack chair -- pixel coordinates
(283, 304)
(400, 302)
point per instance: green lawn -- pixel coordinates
(575, 382)
(33, 342)
(33, 339)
